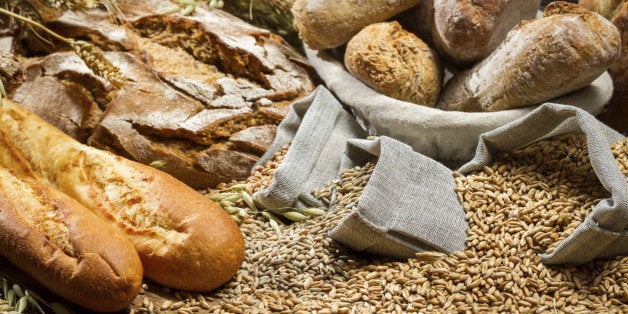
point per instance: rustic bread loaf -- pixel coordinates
(330, 23)
(64, 246)
(395, 63)
(616, 112)
(184, 240)
(605, 8)
(465, 31)
(193, 83)
(539, 60)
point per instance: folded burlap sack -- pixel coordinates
(409, 204)
(604, 233)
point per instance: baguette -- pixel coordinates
(184, 240)
(66, 247)
(539, 60)
(330, 23)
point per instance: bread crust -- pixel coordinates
(330, 23)
(66, 247)
(184, 240)
(539, 60)
(395, 63)
(467, 31)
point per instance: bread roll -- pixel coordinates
(330, 23)
(539, 60)
(465, 31)
(605, 8)
(395, 63)
(66, 247)
(184, 240)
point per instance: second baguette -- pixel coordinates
(185, 240)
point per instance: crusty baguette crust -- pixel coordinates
(466, 31)
(330, 23)
(184, 240)
(539, 60)
(395, 63)
(64, 246)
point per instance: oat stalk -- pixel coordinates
(92, 56)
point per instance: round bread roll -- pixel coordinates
(395, 63)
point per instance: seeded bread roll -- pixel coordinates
(539, 60)
(184, 240)
(66, 247)
(467, 31)
(395, 63)
(330, 23)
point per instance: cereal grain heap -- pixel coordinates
(518, 208)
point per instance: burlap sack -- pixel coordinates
(604, 233)
(409, 204)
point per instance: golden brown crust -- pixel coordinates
(539, 60)
(395, 63)
(467, 31)
(65, 247)
(184, 240)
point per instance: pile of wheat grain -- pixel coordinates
(519, 207)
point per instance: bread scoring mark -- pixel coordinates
(121, 195)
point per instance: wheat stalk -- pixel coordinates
(90, 54)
